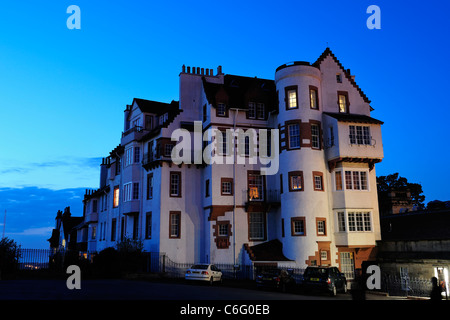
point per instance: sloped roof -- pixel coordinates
(267, 251)
(327, 53)
(348, 117)
(239, 90)
(155, 107)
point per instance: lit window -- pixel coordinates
(116, 197)
(313, 98)
(296, 181)
(343, 103)
(291, 97)
(255, 187)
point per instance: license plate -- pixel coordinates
(267, 279)
(315, 279)
(195, 272)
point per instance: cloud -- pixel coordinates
(31, 212)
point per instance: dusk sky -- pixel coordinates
(63, 91)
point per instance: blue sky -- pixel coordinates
(63, 92)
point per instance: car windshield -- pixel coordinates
(317, 272)
(200, 266)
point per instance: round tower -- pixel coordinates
(305, 209)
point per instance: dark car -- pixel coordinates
(279, 279)
(327, 279)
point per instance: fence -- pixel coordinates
(396, 285)
(152, 262)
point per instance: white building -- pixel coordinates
(318, 206)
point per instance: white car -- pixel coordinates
(204, 272)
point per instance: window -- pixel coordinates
(323, 255)
(207, 188)
(223, 229)
(117, 166)
(298, 226)
(127, 192)
(315, 136)
(321, 226)
(150, 186)
(246, 146)
(94, 205)
(113, 229)
(294, 136)
(256, 225)
(205, 115)
(251, 113)
(356, 180)
(260, 111)
(148, 225)
(221, 110)
(135, 190)
(343, 102)
(175, 184)
(255, 182)
(227, 186)
(359, 222)
(137, 154)
(360, 135)
(341, 221)
(135, 226)
(122, 228)
(291, 97)
(318, 180)
(137, 123)
(128, 156)
(338, 180)
(168, 149)
(175, 224)
(313, 98)
(94, 232)
(116, 197)
(338, 78)
(222, 143)
(148, 122)
(296, 181)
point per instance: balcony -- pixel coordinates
(255, 198)
(352, 138)
(150, 160)
(134, 133)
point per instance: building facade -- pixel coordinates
(288, 163)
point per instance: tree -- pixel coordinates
(9, 256)
(395, 182)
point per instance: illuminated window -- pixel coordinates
(313, 98)
(296, 181)
(343, 102)
(116, 197)
(255, 186)
(291, 97)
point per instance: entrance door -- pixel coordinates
(347, 265)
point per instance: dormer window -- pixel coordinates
(221, 110)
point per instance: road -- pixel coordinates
(108, 289)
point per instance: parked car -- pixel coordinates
(276, 279)
(328, 279)
(204, 272)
